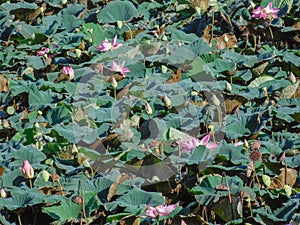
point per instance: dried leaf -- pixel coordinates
(3, 83)
(282, 179)
(289, 91)
(127, 35)
(175, 77)
(291, 177)
(2, 169)
(233, 103)
(114, 187)
(226, 41)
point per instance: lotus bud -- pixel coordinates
(3, 193)
(119, 24)
(228, 87)
(114, 83)
(148, 108)
(74, 149)
(167, 101)
(78, 52)
(40, 112)
(293, 78)
(27, 170)
(164, 69)
(226, 38)
(246, 144)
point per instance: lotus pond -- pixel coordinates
(149, 112)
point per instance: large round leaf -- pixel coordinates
(118, 11)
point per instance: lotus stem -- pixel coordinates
(83, 204)
(19, 219)
(271, 33)
(30, 183)
(115, 93)
(212, 26)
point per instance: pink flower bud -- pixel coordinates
(68, 70)
(27, 170)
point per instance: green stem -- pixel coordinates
(30, 183)
(271, 32)
(115, 93)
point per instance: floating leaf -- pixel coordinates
(118, 11)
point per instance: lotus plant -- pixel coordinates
(160, 210)
(27, 171)
(106, 45)
(265, 13)
(192, 142)
(119, 68)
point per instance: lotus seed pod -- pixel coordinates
(164, 38)
(40, 112)
(63, 2)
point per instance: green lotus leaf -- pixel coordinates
(118, 11)
(135, 201)
(23, 199)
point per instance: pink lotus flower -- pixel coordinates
(195, 142)
(160, 210)
(106, 46)
(265, 13)
(68, 70)
(43, 52)
(119, 68)
(27, 170)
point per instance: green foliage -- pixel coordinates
(236, 79)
